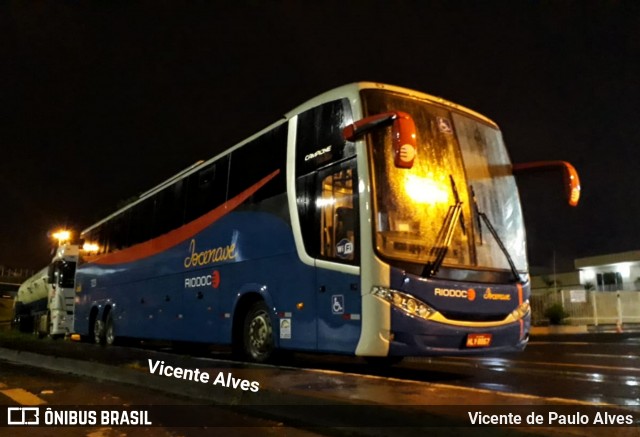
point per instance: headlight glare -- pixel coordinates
(405, 302)
(522, 311)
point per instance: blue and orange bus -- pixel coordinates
(372, 220)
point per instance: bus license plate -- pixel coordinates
(478, 340)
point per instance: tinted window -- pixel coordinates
(319, 136)
(119, 232)
(257, 160)
(169, 208)
(140, 227)
(65, 272)
(199, 193)
(206, 189)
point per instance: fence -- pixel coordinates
(6, 311)
(588, 307)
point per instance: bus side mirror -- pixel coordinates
(403, 134)
(569, 173)
(50, 274)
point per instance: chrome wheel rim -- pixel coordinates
(109, 337)
(97, 331)
(259, 334)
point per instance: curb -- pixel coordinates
(276, 405)
(105, 372)
(554, 330)
(585, 329)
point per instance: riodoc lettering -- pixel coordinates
(210, 256)
(450, 292)
(200, 281)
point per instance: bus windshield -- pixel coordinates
(460, 161)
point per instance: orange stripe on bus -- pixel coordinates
(521, 329)
(519, 293)
(177, 236)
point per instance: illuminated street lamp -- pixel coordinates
(62, 236)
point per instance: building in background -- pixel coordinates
(604, 289)
(612, 272)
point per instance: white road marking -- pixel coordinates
(626, 357)
(569, 343)
(534, 398)
(554, 364)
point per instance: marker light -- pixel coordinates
(90, 247)
(570, 175)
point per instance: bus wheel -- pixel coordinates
(258, 333)
(109, 332)
(25, 323)
(98, 331)
(39, 321)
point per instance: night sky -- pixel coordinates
(103, 100)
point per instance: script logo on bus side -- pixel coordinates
(209, 256)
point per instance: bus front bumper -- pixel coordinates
(413, 336)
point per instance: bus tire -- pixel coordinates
(109, 331)
(257, 338)
(98, 331)
(25, 323)
(39, 320)
(49, 325)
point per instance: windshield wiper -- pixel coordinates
(439, 250)
(456, 197)
(477, 211)
(494, 233)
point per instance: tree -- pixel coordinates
(556, 314)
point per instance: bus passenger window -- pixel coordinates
(338, 219)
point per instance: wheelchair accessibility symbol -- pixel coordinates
(337, 304)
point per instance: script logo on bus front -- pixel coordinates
(490, 295)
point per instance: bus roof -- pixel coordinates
(350, 91)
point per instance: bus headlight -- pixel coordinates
(411, 306)
(522, 311)
(406, 302)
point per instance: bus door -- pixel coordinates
(337, 276)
